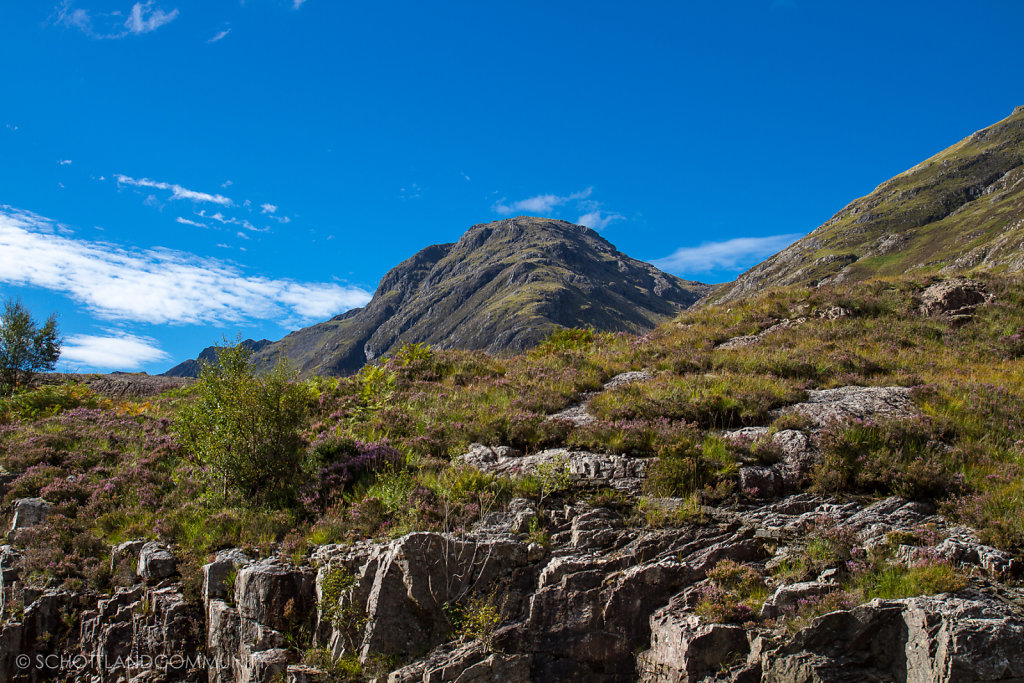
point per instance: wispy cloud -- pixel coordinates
(298, 3)
(542, 204)
(177, 191)
(121, 352)
(735, 254)
(189, 221)
(64, 162)
(268, 208)
(155, 285)
(220, 36)
(230, 220)
(598, 220)
(143, 17)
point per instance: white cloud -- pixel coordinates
(188, 221)
(268, 208)
(220, 36)
(155, 285)
(177, 191)
(298, 3)
(230, 220)
(143, 18)
(598, 220)
(541, 204)
(64, 162)
(735, 254)
(122, 352)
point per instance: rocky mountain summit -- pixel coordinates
(504, 286)
(961, 209)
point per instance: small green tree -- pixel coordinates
(25, 348)
(245, 425)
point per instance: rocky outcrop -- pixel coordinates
(580, 609)
(156, 562)
(830, 313)
(618, 471)
(854, 403)
(956, 298)
(915, 639)
(684, 647)
(28, 512)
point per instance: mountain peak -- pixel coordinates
(503, 286)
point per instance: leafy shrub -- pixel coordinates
(476, 618)
(245, 427)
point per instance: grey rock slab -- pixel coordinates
(825, 406)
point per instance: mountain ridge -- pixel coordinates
(932, 217)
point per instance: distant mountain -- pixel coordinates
(504, 286)
(961, 209)
(191, 367)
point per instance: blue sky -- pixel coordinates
(176, 171)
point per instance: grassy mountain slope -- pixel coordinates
(961, 209)
(963, 451)
(503, 286)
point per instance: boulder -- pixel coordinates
(787, 598)
(471, 663)
(10, 564)
(762, 482)
(129, 550)
(956, 298)
(156, 562)
(266, 666)
(686, 648)
(405, 584)
(28, 512)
